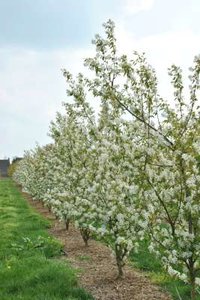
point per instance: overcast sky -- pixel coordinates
(38, 38)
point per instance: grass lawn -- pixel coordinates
(29, 258)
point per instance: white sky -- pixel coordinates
(37, 40)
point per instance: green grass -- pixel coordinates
(30, 267)
(147, 262)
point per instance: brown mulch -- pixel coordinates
(96, 267)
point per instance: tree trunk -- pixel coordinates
(193, 292)
(67, 225)
(192, 279)
(85, 233)
(120, 260)
(120, 269)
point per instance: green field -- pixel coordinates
(30, 267)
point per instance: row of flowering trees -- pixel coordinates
(130, 172)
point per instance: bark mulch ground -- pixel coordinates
(96, 267)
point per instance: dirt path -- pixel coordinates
(97, 269)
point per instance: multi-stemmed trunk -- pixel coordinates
(85, 233)
(120, 253)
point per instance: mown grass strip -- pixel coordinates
(30, 267)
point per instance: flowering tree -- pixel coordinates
(105, 187)
(122, 215)
(74, 153)
(169, 132)
(174, 185)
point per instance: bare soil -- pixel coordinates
(96, 267)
